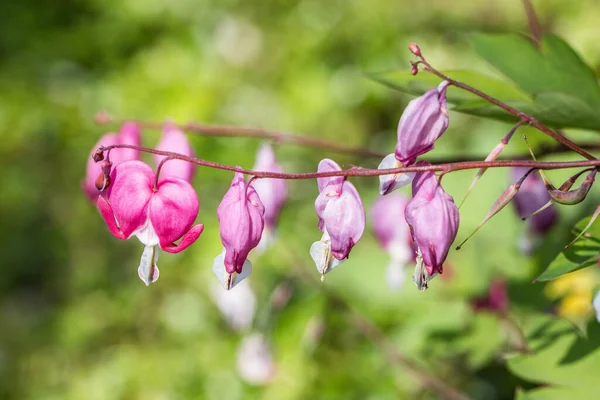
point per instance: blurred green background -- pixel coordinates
(75, 320)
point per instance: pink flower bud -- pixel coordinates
(414, 48)
(341, 219)
(272, 192)
(433, 219)
(174, 140)
(241, 219)
(129, 134)
(423, 121)
(158, 216)
(531, 196)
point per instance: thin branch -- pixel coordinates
(358, 171)
(259, 133)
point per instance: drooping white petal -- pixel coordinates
(229, 281)
(389, 183)
(321, 254)
(420, 277)
(596, 305)
(148, 270)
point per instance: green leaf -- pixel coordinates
(581, 254)
(560, 357)
(554, 67)
(550, 83)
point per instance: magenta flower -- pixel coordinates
(423, 121)
(433, 219)
(393, 233)
(531, 196)
(158, 215)
(174, 140)
(341, 219)
(241, 218)
(272, 192)
(129, 134)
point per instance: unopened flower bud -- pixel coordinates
(103, 180)
(414, 70)
(423, 121)
(241, 224)
(433, 219)
(98, 155)
(414, 48)
(341, 219)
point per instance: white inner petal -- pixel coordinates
(146, 234)
(229, 281)
(321, 254)
(420, 277)
(389, 183)
(148, 270)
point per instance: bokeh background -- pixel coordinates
(75, 320)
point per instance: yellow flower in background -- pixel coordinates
(574, 292)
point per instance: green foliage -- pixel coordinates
(76, 322)
(560, 358)
(580, 254)
(560, 90)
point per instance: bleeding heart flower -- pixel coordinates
(423, 121)
(174, 140)
(241, 224)
(341, 219)
(393, 233)
(129, 134)
(433, 219)
(272, 192)
(158, 215)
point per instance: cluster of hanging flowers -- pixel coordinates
(160, 206)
